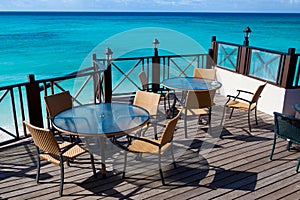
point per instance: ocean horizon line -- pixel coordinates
(142, 12)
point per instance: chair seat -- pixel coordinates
(240, 105)
(70, 154)
(200, 111)
(139, 146)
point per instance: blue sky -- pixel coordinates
(153, 5)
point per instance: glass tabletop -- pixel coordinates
(191, 83)
(101, 119)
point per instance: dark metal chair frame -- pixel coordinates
(166, 140)
(288, 128)
(249, 104)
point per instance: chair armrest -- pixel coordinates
(144, 139)
(286, 116)
(247, 92)
(67, 148)
(236, 97)
(244, 91)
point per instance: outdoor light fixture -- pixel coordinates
(108, 53)
(155, 45)
(247, 32)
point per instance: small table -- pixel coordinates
(190, 83)
(186, 84)
(297, 108)
(101, 120)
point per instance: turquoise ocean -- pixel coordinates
(51, 44)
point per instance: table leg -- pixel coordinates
(102, 142)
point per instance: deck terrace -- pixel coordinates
(225, 164)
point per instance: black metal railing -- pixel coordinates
(120, 77)
(278, 68)
(125, 70)
(16, 103)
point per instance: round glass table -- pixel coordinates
(96, 122)
(105, 119)
(190, 83)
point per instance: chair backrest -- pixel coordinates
(168, 133)
(205, 73)
(287, 127)
(58, 102)
(144, 80)
(43, 139)
(257, 93)
(200, 99)
(147, 100)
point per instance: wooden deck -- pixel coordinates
(228, 163)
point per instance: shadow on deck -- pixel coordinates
(226, 164)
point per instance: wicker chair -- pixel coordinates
(198, 103)
(166, 95)
(57, 103)
(48, 149)
(142, 145)
(209, 74)
(237, 102)
(288, 128)
(150, 102)
(144, 81)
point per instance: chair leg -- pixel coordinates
(38, 165)
(160, 170)
(289, 145)
(256, 116)
(173, 159)
(93, 165)
(209, 121)
(209, 117)
(139, 156)
(231, 113)
(155, 130)
(38, 169)
(273, 148)
(185, 123)
(297, 168)
(249, 120)
(125, 163)
(61, 177)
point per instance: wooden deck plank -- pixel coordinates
(281, 193)
(235, 165)
(221, 183)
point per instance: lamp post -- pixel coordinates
(108, 53)
(107, 77)
(247, 32)
(155, 67)
(155, 46)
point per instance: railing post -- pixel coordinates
(244, 59)
(155, 68)
(34, 102)
(97, 90)
(107, 79)
(209, 60)
(213, 52)
(289, 69)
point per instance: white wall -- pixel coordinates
(272, 99)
